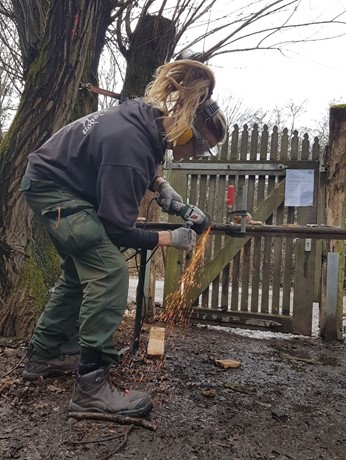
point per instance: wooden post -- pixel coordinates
(175, 258)
(150, 211)
(335, 209)
(331, 316)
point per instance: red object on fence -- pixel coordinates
(230, 195)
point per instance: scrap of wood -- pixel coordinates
(227, 363)
(122, 419)
(156, 344)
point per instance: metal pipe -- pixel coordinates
(316, 231)
(139, 302)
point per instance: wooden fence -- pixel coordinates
(261, 281)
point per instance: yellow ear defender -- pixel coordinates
(185, 137)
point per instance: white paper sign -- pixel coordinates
(299, 187)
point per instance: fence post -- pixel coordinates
(331, 326)
(335, 212)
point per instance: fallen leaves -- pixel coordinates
(55, 389)
(7, 382)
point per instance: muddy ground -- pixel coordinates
(287, 400)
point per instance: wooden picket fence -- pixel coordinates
(265, 282)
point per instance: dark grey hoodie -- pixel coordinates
(108, 158)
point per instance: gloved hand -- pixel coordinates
(166, 195)
(183, 238)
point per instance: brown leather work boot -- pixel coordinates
(94, 392)
(37, 366)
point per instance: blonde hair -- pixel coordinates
(179, 90)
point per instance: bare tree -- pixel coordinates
(237, 112)
(286, 116)
(59, 46)
(217, 27)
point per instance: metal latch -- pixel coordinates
(307, 245)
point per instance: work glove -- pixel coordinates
(166, 195)
(183, 238)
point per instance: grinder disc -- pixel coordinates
(201, 228)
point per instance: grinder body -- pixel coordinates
(192, 215)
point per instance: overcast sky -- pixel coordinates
(315, 72)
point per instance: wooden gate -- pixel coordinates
(260, 282)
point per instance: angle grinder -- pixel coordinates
(193, 216)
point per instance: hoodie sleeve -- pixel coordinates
(134, 238)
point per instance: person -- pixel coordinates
(86, 184)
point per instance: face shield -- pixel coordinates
(201, 146)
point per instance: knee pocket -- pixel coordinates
(77, 232)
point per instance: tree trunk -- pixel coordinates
(69, 49)
(331, 321)
(150, 47)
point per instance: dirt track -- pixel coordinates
(286, 401)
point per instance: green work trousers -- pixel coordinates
(93, 285)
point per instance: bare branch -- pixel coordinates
(219, 48)
(146, 7)
(119, 8)
(120, 42)
(274, 31)
(200, 16)
(128, 23)
(195, 15)
(255, 16)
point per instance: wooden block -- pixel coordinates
(227, 363)
(156, 344)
